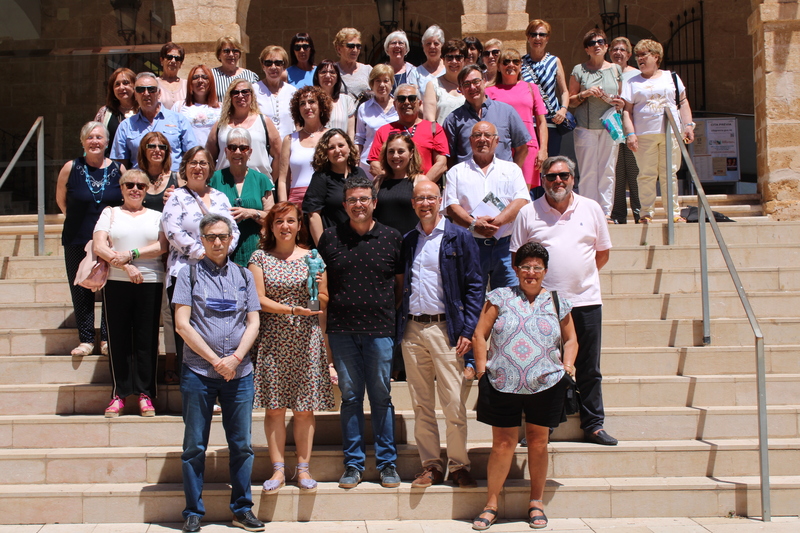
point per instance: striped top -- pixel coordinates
(543, 73)
(222, 80)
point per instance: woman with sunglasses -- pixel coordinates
(173, 87)
(343, 112)
(443, 95)
(120, 102)
(301, 72)
(396, 47)
(375, 112)
(354, 74)
(433, 67)
(311, 109)
(229, 52)
(593, 89)
(133, 293)
(249, 192)
(272, 93)
(490, 54)
(525, 98)
(201, 106)
(240, 110)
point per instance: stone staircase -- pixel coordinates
(685, 414)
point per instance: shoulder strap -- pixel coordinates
(266, 130)
(554, 294)
(677, 92)
(192, 276)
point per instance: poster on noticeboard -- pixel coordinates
(715, 150)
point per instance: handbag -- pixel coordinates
(569, 123)
(572, 396)
(93, 270)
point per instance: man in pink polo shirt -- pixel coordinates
(575, 232)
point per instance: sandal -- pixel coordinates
(532, 520)
(83, 349)
(272, 486)
(104, 347)
(484, 522)
(679, 219)
(645, 220)
(146, 406)
(306, 485)
(114, 407)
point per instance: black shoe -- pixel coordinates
(192, 523)
(350, 478)
(389, 477)
(601, 437)
(248, 521)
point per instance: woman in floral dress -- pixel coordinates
(292, 369)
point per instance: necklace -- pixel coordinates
(95, 187)
(311, 135)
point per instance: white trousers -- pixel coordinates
(596, 153)
(651, 158)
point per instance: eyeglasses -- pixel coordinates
(507, 62)
(234, 51)
(475, 82)
(238, 147)
(493, 53)
(563, 176)
(130, 185)
(170, 57)
(402, 98)
(453, 57)
(538, 34)
(270, 62)
(353, 46)
(620, 49)
(601, 42)
(149, 88)
(483, 135)
(361, 200)
(213, 237)
(154, 146)
(529, 268)
(423, 199)
(201, 164)
(199, 77)
(243, 92)
(299, 47)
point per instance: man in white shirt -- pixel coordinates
(484, 194)
(575, 232)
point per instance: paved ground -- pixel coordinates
(564, 525)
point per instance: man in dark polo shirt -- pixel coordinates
(362, 258)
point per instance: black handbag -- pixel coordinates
(572, 396)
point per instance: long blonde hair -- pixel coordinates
(227, 104)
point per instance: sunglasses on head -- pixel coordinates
(238, 147)
(493, 53)
(402, 98)
(129, 185)
(351, 46)
(243, 92)
(154, 146)
(149, 88)
(563, 176)
(507, 62)
(299, 47)
(270, 62)
(170, 57)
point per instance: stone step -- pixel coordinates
(24, 244)
(162, 464)
(743, 255)
(50, 267)
(689, 280)
(42, 291)
(667, 306)
(749, 230)
(565, 497)
(732, 210)
(625, 423)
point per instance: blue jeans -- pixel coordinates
(496, 263)
(365, 362)
(199, 394)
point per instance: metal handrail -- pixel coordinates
(38, 127)
(703, 207)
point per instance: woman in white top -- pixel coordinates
(343, 112)
(132, 295)
(646, 97)
(443, 94)
(201, 105)
(433, 67)
(354, 74)
(396, 47)
(240, 110)
(311, 109)
(272, 93)
(173, 87)
(375, 112)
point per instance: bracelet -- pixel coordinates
(631, 133)
(292, 309)
(331, 365)
(234, 356)
(135, 254)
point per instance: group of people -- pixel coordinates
(291, 232)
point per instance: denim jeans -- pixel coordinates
(199, 394)
(365, 362)
(496, 263)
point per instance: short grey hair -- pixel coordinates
(89, 126)
(433, 32)
(146, 75)
(550, 161)
(406, 86)
(399, 35)
(239, 133)
(212, 218)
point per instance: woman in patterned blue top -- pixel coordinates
(522, 372)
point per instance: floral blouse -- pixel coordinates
(524, 354)
(181, 224)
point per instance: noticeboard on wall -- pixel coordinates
(715, 150)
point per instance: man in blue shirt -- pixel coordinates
(151, 117)
(216, 314)
(511, 131)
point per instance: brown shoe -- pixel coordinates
(462, 479)
(430, 476)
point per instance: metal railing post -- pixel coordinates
(668, 193)
(40, 184)
(763, 430)
(701, 213)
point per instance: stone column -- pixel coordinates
(502, 19)
(199, 23)
(775, 27)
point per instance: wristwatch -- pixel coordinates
(692, 124)
(472, 225)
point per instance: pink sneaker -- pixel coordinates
(116, 405)
(146, 406)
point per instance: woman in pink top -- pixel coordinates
(526, 99)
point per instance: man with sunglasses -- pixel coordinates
(152, 116)
(216, 313)
(575, 232)
(428, 137)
